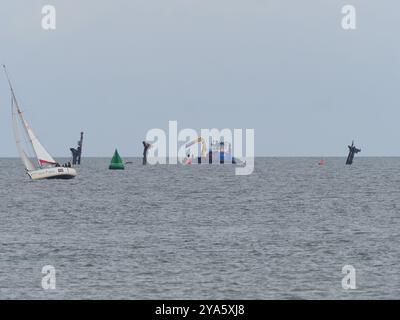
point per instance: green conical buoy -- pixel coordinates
(116, 162)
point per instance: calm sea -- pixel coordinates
(200, 232)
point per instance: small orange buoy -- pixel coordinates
(321, 162)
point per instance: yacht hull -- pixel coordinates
(52, 173)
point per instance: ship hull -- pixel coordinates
(53, 173)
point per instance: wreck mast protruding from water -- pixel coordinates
(146, 147)
(352, 152)
(77, 153)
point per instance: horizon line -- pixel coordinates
(262, 156)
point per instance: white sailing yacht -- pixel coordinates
(47, 167)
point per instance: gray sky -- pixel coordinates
(116, 69)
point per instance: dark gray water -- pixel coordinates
(197, 232)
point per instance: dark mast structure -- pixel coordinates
(146, 147)
(352, 151)
(77, 153)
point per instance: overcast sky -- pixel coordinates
(116, 69)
